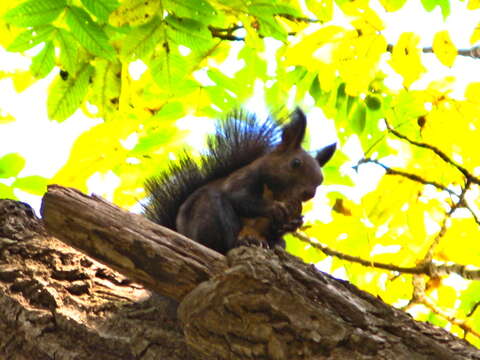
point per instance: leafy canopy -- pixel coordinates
(405, 208)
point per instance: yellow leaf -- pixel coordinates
(314, 47)
(368, 22)
(444, 48)
(459, 243)
(5, 119)
(357, 57)
(323, 9)
(326, 76)
(22, 80)
(472, 92)
(406, 58)
(447, 296)
(96, 150)
(134, 12)
(473, 4)
(475, 35)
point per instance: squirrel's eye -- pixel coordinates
(295, 163)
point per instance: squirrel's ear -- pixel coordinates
(294, 131)
(324, 155)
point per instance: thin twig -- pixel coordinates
(430, 269)
(413, 177)
(437, 152)
(443, 229)
(473, 52)
(430, 304)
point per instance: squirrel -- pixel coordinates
(247, 188)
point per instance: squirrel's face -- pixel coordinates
(290, 168)
(305, 174)
(294, 174)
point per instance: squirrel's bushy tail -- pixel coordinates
(239, 139)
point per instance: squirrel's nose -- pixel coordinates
(308, 194)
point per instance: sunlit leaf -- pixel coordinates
(30, 38)
(323, 9)
(6, 192)
(11, 164)
(98, 149)
(88, 33)
(358, 118)
(142, 40)
(444, 5)
(44, 61)
(34, 13)
(472, 92)
(68, 51)
(393, 5)
(406, 58)
(65, 96)
(100, 8)
(444, 48)
(134, 12)
(33, 184)
(106, 88)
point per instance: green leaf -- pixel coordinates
(470, 297)
(429, 5)
(6, 192)
(88, 33)
(189, 32)
(36, 185)
(11, 164)
(200, 10)
(68, 51)
(154, 141)
(106, 88)
(358, 118)
(170, 111)
(44, 61)
(268, 25)
(142, 40)
(170, 70)
(34, 12)
(100, 8)
(373, 102)
(65, 96)
(30, 38)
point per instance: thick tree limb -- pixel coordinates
(253, 304)
(160, 259)
(274, 306)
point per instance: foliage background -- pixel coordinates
(404, 186)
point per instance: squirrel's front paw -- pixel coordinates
(279, 212)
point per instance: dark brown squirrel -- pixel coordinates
(248, 187)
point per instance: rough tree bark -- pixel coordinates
(251, 304)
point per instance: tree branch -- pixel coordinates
(413, 177)
(473, 52)
(443, 229)
(157, 257)
(437, 152)
(430, 269)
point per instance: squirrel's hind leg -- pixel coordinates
(208, 217)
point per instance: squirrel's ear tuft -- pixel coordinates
(324, 155)
(294, 131)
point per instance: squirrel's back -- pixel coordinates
(239, 139)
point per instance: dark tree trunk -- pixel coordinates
(253, 304)
(56, 303)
